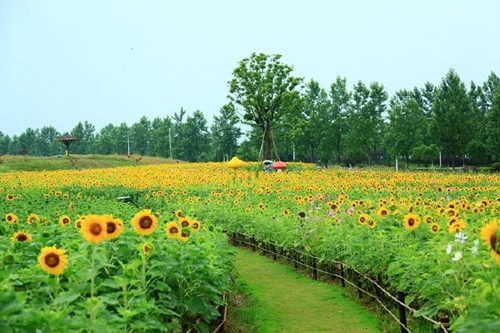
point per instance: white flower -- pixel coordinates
(460, 237)
(457, 256)
(448, 248)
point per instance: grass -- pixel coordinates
(281, 300)
(75, 162)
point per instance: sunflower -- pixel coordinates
(93, 228)
(146, 248)
(78, 222)
(11, 218)
(178, 213)
(184, 235)
(32, 218)
(21, 236)
(286, 212)
(114, 227)
(53, 260)
(371, 223)
(490, 233)
(382, 212)
(144, 222)
(363, 218)
(428, 219)
(71, 206)
(195, 225)
(64, 220)
(9, 197)
(434, 227)
(172, 229)
(411, 221)
(185, 222)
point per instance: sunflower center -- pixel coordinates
(65, 220)
(52, 260)
(195, 225)
(434, 228)
(411, 221)
(145, 222)
(9, 218)
(495, 243)
(174, 230)
(95, 229)
(22, 237)
(110, 227)
(185, 224)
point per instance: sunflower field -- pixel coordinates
(75, 256)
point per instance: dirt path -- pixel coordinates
(295, 303)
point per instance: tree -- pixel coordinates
(160, 137)
(493, 128)
(27, 141)
(452, 117)
(140, 135)
(225, 133)
(46, 142)
(365, 122)
(4, 143)
(265, 89)
(195, 142)
(406, 128)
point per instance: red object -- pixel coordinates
(279, 165)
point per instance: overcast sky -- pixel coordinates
(103, 61)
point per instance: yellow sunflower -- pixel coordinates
(178, 213)
(490, 233)
(434, 227)
(53, 260)
(382, 212)
(9, 197)
(411, 221)
(147, 248)
(21, 236)
(78, 222)
(11, 218)
(144, 222)
(184, 235)
(371, 223)
(195, 225)
(64, 220)
(93, 228)
(32, 218)
(172, 230)
(363, 218)
(114, 227)
(185, 222)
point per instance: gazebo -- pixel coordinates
(67, 139)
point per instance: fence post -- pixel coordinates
(253, 243)
(315, 270)
(273, 249)
(235, 240)
(342, 280)
(295, 259)
(402, 311)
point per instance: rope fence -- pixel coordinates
(269, 248)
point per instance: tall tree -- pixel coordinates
(225, 133)
(452, 117)
(493, 128)
(160, 137)
(265, 89)
(27, 141)
(340, 99)
(195, 143)
(365, 121)
(4, 143)
(140, 135)
(406, 128)
(46, 142)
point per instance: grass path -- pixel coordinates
(290, 302)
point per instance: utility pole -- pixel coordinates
(128, 145)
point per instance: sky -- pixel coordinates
(115, 61)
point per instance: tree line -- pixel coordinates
(295, 120)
